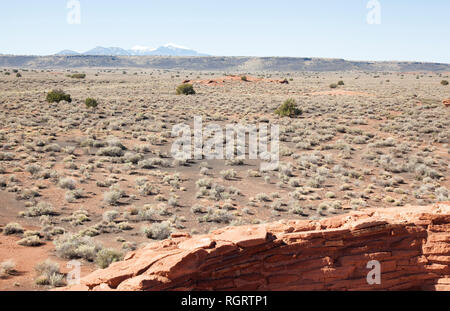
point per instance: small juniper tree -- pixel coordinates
(185, 89)
(289, 109)
(56, 96)
(91, 103)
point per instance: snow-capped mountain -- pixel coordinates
(165, 50)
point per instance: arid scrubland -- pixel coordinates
(93, 178)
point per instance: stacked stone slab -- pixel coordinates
(412, 245)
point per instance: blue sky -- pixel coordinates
(409, 29)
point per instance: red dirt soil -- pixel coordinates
(222, 80)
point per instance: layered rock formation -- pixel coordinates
(412, 245)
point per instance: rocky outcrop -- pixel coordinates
(412, 245)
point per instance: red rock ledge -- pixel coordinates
(411, 243)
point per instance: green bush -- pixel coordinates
(56, 96)
(91, 103)
(244, 78)
(444, 82)
(78, 76)
(341, 82)
(288, 109)
(186, 89)
(18, 75)
(333, 85)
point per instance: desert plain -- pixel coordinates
(93, 183)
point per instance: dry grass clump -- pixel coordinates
(217, 215)
(48, 273)
(13, 228)
(7, 268)
(40, 209)
(30, 241)
(73, 246)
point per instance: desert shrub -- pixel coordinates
(110, 152)
(125, 226)
(112, 197)
(107, 256)
(56, 96)
(197, 209)
(217, 215)
(32, 241)
(340, 82)
(253, 173)
(18, 75)
(147, 214)
(333, 85)
(228, 174)
(235, 162)
(77, 218)
(244, 78)
(41, 209)
(185, 89)
(91, 102)
(173, 202)
(158, 231)
(288, 109)
(73, 195)
(262, 197)
(12, 228)
(71, 246)
(148, 189)
(204, 183)
(78, 76)
(7, 268)
(67, 183)
(110, 215)
(444, 82)
(134, 158)
(33, 169)
(49, 274)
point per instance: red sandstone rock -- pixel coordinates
(412, 245)
(446, 102)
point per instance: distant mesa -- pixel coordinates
(165, 50)
(67, 53)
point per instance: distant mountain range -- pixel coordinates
(216, 63)
(165, 50)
